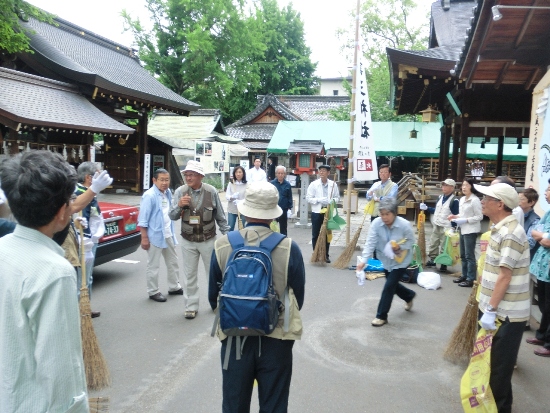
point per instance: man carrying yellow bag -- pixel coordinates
(504, 295)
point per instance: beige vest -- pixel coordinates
(280, 257)
(442, 211)
(206, 229)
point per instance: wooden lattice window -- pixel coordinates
(304, 160)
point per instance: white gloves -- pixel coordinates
(323, 201)
(100, 181)
(459, 221)
(423, 206)
(289, 213)
(488, 320)
(82, 221)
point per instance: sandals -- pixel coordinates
(190, 314)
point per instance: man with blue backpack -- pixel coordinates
(256, 287)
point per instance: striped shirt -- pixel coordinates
(508, 247)
(40, 347)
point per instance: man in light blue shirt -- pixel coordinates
(158, 236)
(392, 238)
(40, 344)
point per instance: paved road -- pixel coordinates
(161, 362)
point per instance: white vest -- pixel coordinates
(442, 211)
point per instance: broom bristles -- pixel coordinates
(98, 404)
(319, 255)
(460, 346)
(97, 373)
(343, 260)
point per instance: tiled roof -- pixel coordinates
(82, 56)
(256, 145)
(312, 107)
(256, 132)
(265, 101)
(38, 101)
(306, 147)
(449, 26)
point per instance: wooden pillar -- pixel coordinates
(464, 133)
(500, 153)
(444, 152)
(456, 144)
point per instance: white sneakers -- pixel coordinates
(409, 305)
(378, 322)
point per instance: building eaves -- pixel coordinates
(255, 132)
(79, 55)
(265, 101)
(37, 101)
(450, 24)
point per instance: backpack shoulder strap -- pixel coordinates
(235, 239)
(272, 241)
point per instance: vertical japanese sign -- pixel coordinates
(365, 167)
(541, 146)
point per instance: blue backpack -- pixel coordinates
(248, 303)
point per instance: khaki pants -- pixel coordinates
(153, 264)
(191, 251)
(437, 241)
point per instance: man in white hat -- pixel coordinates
(199, 207)
(504, 287)
(446, 205)
(267, 359)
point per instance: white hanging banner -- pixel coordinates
(365, 167)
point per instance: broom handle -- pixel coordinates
(82, 256)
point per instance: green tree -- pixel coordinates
(13, 38)
(286, 67)
(387, 23)
(207, 51)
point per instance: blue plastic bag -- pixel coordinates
(374, 265)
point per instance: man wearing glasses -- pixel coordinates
(158, 236)
(199, 207)
(504, 287)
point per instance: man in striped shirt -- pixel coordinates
(504, 287)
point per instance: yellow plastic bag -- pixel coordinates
(369, 208)
(475, 392)
(453, 246)
(274, 226)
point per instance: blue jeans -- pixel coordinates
(232, 219)
(392, 287)
(468, 256)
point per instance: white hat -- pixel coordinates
(194, 166)
(261, 201)
(502, 192)
(449, 182)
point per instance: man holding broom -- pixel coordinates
(40, 341)
(392, 238)
(319, 194)
(504, 287)
(382, 189)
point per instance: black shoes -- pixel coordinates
(443, 268)
(459, 280)
(158, 297)
(177, 292)
(327, 260)
(96, 314)
(466, 283)
(430, 263)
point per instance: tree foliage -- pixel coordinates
(13, 38)
(220, 55)
(286, 67)
(387, 23)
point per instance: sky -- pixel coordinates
(321, 22)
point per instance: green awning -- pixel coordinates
(390, 139)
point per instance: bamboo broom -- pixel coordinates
(421, 230)
(461, 344)
(344, 258)
(97, 373)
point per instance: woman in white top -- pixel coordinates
(469, 221)
(235, 192)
